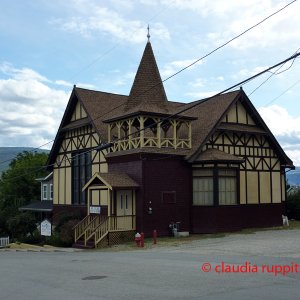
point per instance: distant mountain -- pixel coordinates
(7, 154)
(293, 177)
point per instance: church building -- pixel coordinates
(139, 162)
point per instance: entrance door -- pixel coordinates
(124, 203)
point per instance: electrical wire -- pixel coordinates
(285, 91)
(108, 145)
(196, 61)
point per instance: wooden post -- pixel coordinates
(142, 132)
(190, 134)
(154, 237)
(129, 122)
(158, 134)
(174, 123)
(142, 239)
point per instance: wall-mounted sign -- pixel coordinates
(46, 228)
(95, 210)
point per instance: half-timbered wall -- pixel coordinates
(79, 112)
(75, 141)
(261, 178)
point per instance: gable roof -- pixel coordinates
(215, 155)
(214, 119)
(147, 96)
(112, 180)
(97, 105)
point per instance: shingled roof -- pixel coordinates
(147, 95)
(147, 89)
(113, 180)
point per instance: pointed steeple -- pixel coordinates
(147, 89)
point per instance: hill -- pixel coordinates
(9, 153)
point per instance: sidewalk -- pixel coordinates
(14, 247)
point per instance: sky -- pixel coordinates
(48, 46)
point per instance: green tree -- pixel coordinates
(293, 206)
(18, 187)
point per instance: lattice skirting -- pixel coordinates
(117, 237)
(103, 243)
(120, 237)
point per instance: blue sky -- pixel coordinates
(47, 46)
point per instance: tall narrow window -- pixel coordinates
(203, 187)
(51, 191)
(227, 187)
(45, 192)
(81, 173)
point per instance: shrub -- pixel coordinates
(293, 206)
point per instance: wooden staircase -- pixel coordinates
(91, 231)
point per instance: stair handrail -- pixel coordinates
(101, 230)
(79, 228)
(90, 229)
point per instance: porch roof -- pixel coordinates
(44, 205)
(215, 155)
(113, 180)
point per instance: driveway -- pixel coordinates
(263, 265)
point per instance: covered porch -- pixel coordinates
(111, 210)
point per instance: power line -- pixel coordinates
(113, 47)
(87, 67)
(195, 62)
(234, 38)
(274, 73)
(208, 54)
(176, 115)
(285, 91)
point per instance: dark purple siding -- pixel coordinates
(156, 175)
(61, 210)
(229, 218)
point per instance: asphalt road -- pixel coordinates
(264, 265)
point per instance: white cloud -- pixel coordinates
(280, 121)
(30, 110)
(245, 73)
(63, 83)
(21, 74)
(201, 95)
(199, 82)
(92, 19)
(233, 17)
(294, 155)
(286, 129)
(174, 66)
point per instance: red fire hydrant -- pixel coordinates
(137, 239)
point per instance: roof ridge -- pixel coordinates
(109, 93)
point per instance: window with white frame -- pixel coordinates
(51, 191)
(44, 192)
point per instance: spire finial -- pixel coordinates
(148, 35)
